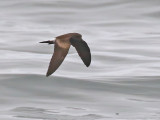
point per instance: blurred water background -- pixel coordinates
(122, 82)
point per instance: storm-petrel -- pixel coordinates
(61, 48)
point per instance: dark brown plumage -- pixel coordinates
(62, 45)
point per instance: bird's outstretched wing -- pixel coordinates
(60, 52)
(82, 49)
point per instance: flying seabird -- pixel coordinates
(61, 48)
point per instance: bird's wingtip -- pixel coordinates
(87, 64)
(47, 75)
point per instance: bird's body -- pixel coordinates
(62, 45)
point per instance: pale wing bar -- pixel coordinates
(57, 58)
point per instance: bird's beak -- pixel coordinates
(48, 41)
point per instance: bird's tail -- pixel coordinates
(48, 41)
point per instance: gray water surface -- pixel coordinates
(122, 82)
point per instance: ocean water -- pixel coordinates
(122, 82)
